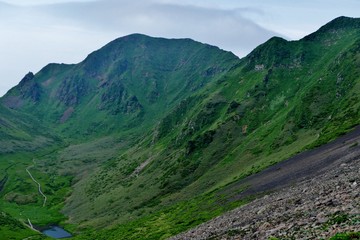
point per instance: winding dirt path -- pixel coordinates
(34, 180)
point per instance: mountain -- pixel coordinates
(146, 137)
(130, 81)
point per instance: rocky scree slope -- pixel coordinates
(317, 207)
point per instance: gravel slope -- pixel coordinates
(314, 196)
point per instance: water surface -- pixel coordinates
(56, 232)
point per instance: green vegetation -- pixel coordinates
(20, 197)
(346, 236)
(169, 221)
(11, 228)
(146, 137)
(339, 218)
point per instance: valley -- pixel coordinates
(149, 137)
(37, 183)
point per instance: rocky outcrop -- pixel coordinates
(316, 208)
(116, 99)
(72, 90)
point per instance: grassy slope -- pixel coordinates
(239, 125)
(19, 132)
(171, 67)
(124, 87)
(11, 228)
(20, 197)
(20, 191)
(233, 126)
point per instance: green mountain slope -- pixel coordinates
(283, 98)
(22, 132)
(129, 82)
(98, 109)
(157, 129)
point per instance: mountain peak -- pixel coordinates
(27, 78)
(132, 48)
(126, 78)
(340, 23)
(131, 37)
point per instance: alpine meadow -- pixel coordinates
(150, 137)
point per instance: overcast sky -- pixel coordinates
(37, 32)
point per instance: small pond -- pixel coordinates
(56, 232)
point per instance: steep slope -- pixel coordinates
(22, 132)
(159, 130)
(96, 110)
(275, 99)
(283, 98)
(131, 81)
(319, 206)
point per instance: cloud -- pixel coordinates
(35, 35)
(229, 29)
(39, 2)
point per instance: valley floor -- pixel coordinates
(315, 206)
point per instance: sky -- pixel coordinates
(37, 32)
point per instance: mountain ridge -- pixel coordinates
(73, 89)
(156, 130)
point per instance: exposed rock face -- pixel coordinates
(29, 88)
(314, 209)
(117, 99)
(67, 114)
(72, 90)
